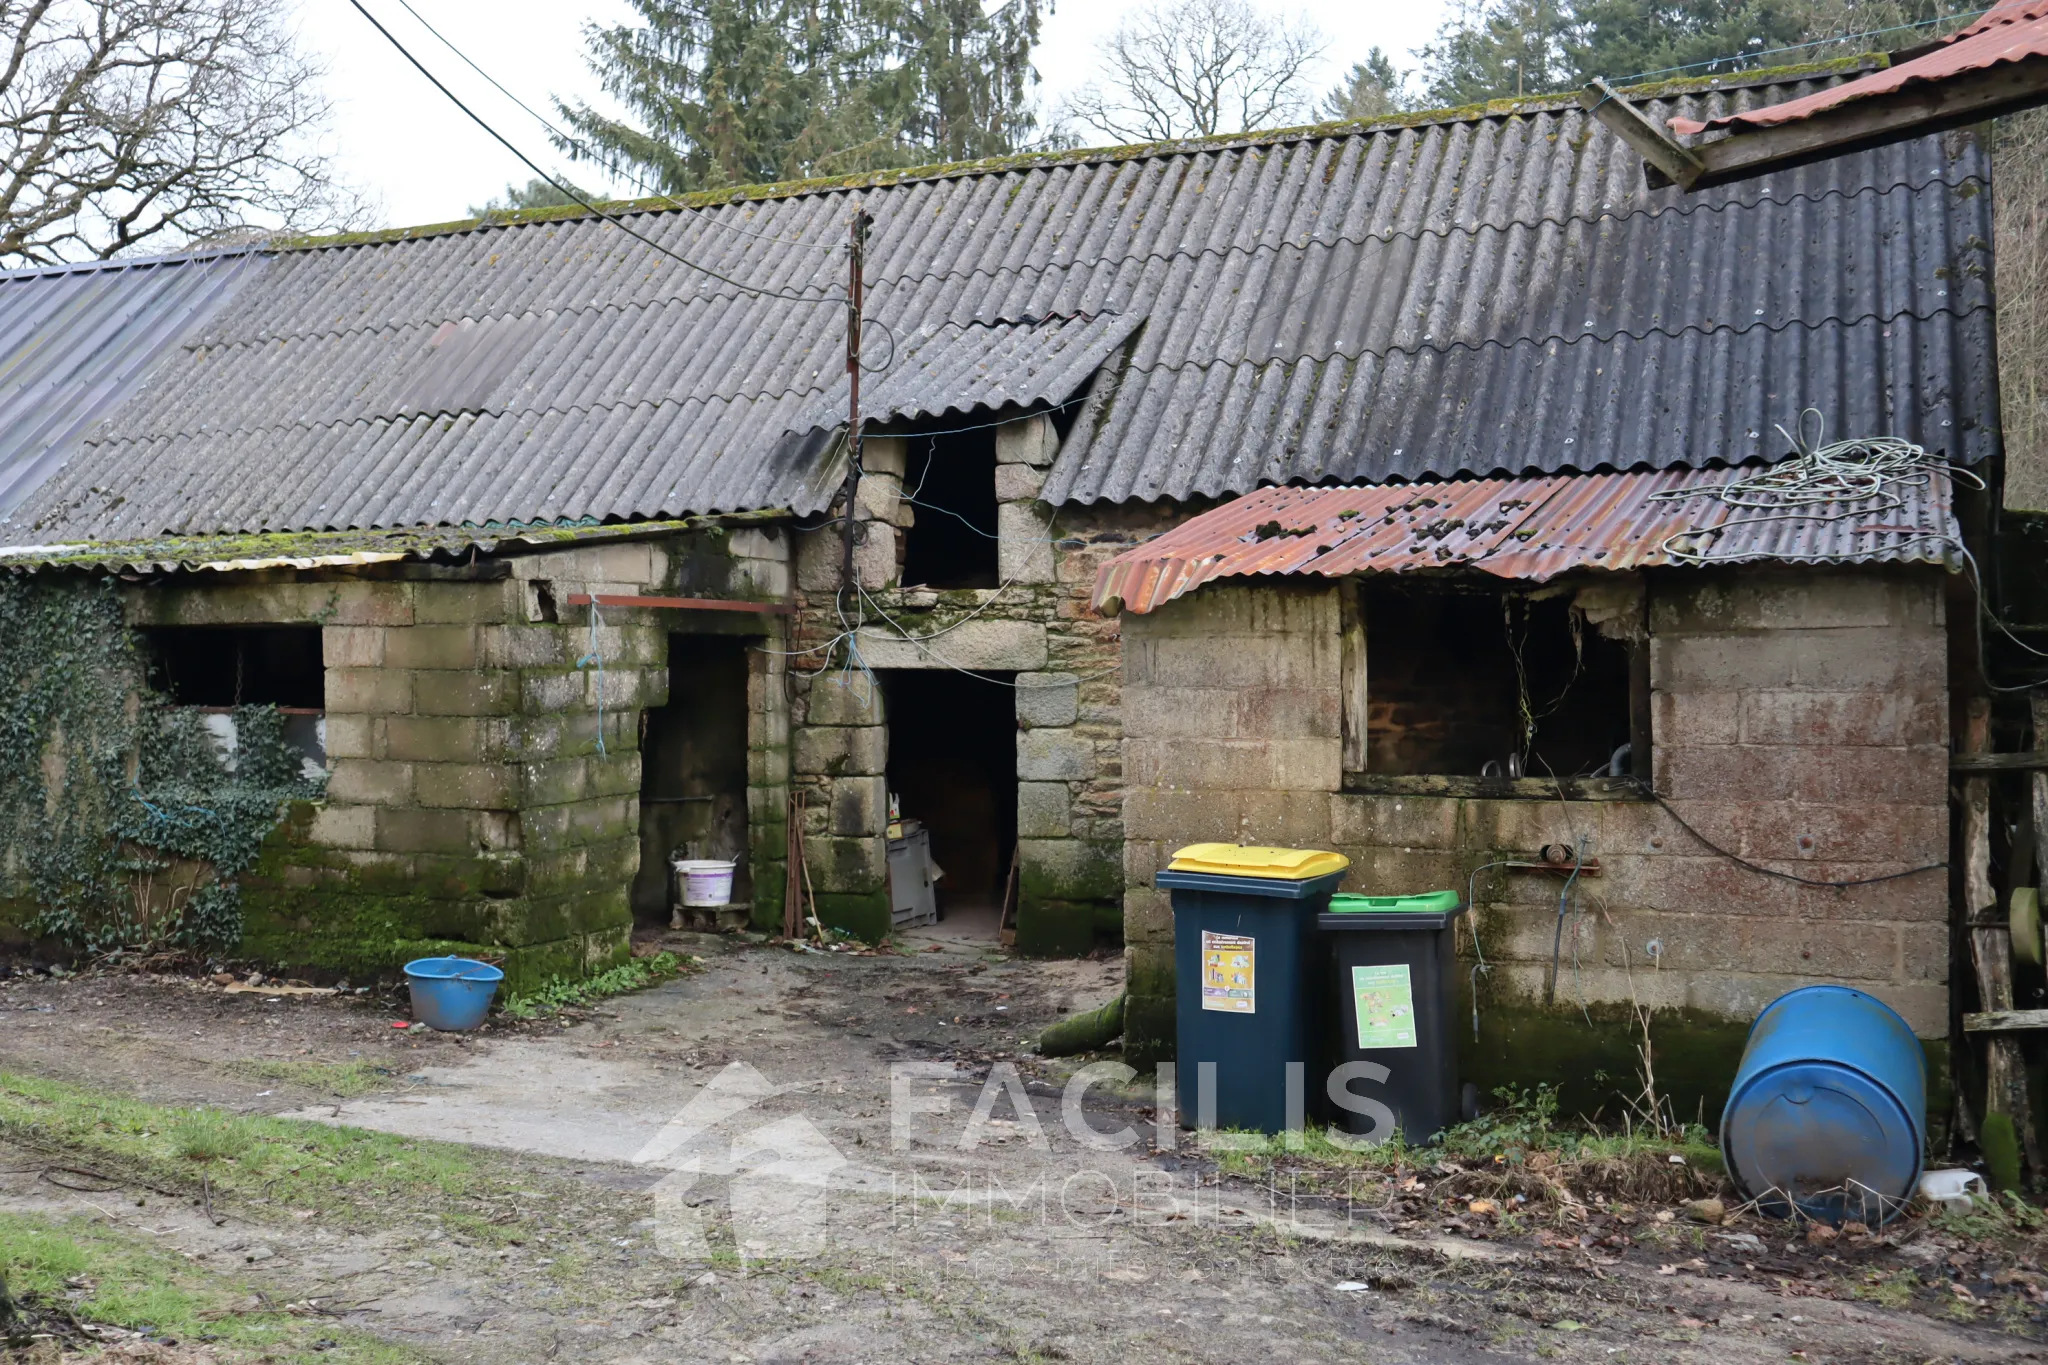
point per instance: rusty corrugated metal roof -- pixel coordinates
(1526, 528)
(2015, 31)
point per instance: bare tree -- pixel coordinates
(172, 121)
(1193, 68)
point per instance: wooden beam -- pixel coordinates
(2005, 1021)
(1494, 788)
(1676, 162)
(1912, 111)
(606, 599)
(1353, 702)
(1997, 763)
(2005, 1072)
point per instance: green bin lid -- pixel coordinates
(1428, 903)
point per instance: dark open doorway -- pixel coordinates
(953, 766)
(693, 772)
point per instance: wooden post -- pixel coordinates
(2005, 1074)
(1351, 599)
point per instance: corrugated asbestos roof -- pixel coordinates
(2015, 31)
(320, 549)
(1526, 528)
(1470, 295)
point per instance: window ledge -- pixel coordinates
(1495, 788)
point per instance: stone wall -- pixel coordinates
(482, 742)
(1038, 626)
(1800, 721)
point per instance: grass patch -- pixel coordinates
(343, 1080)
(346, 1173)
(95, 1274)
(636, 974)
(1517, 1148)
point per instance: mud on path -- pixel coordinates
(752, 1102)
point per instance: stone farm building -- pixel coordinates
(385, 475)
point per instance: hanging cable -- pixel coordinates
(1801, 47)
(577, 143)
(573, 195)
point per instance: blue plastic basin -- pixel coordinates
(1828, 1113)
(451, 993)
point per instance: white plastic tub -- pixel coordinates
(705, 881)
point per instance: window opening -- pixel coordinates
(218, 668)
(951, 542)
(693, 780)
(238, 666)
(1472, 680)
(952, 770)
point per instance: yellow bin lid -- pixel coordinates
(1242, 860)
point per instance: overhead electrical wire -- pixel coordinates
(1977, 13)
(572, 140)
(576, 197)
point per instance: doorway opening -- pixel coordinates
(952, 539)
(693, 778)
(953, 769)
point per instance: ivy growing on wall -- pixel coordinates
(121, 824)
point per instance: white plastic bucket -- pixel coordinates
(706, 881)
(1951, 1188)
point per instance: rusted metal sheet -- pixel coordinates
(2015, 31)
(1526, 528)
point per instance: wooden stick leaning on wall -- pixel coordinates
(793, 872)
(2006, 1106)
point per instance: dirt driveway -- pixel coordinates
(797, 1157)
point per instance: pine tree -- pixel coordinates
(1491, 49)
(1371, 88)
(733, 92)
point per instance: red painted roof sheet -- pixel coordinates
(1526, 528)
(2009, 32)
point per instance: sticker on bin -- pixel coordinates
(1229, 973)
(1385, 1000)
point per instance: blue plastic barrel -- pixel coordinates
(451, 993)
(1828, 1113)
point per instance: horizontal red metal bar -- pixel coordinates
(607, 599)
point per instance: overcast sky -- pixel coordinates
(419, 160)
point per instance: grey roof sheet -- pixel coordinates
(1480, 295)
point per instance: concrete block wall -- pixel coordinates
(1800, 722)
(484, 767)
(1232, 724)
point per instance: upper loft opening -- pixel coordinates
(950, 481)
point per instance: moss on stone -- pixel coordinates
(864, 914)
(1058, 928)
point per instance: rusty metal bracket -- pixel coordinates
(607, 599)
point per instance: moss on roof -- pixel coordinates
(406, 542)
(791, 189)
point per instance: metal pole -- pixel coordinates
(856, 248)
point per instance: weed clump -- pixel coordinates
(637, 974)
